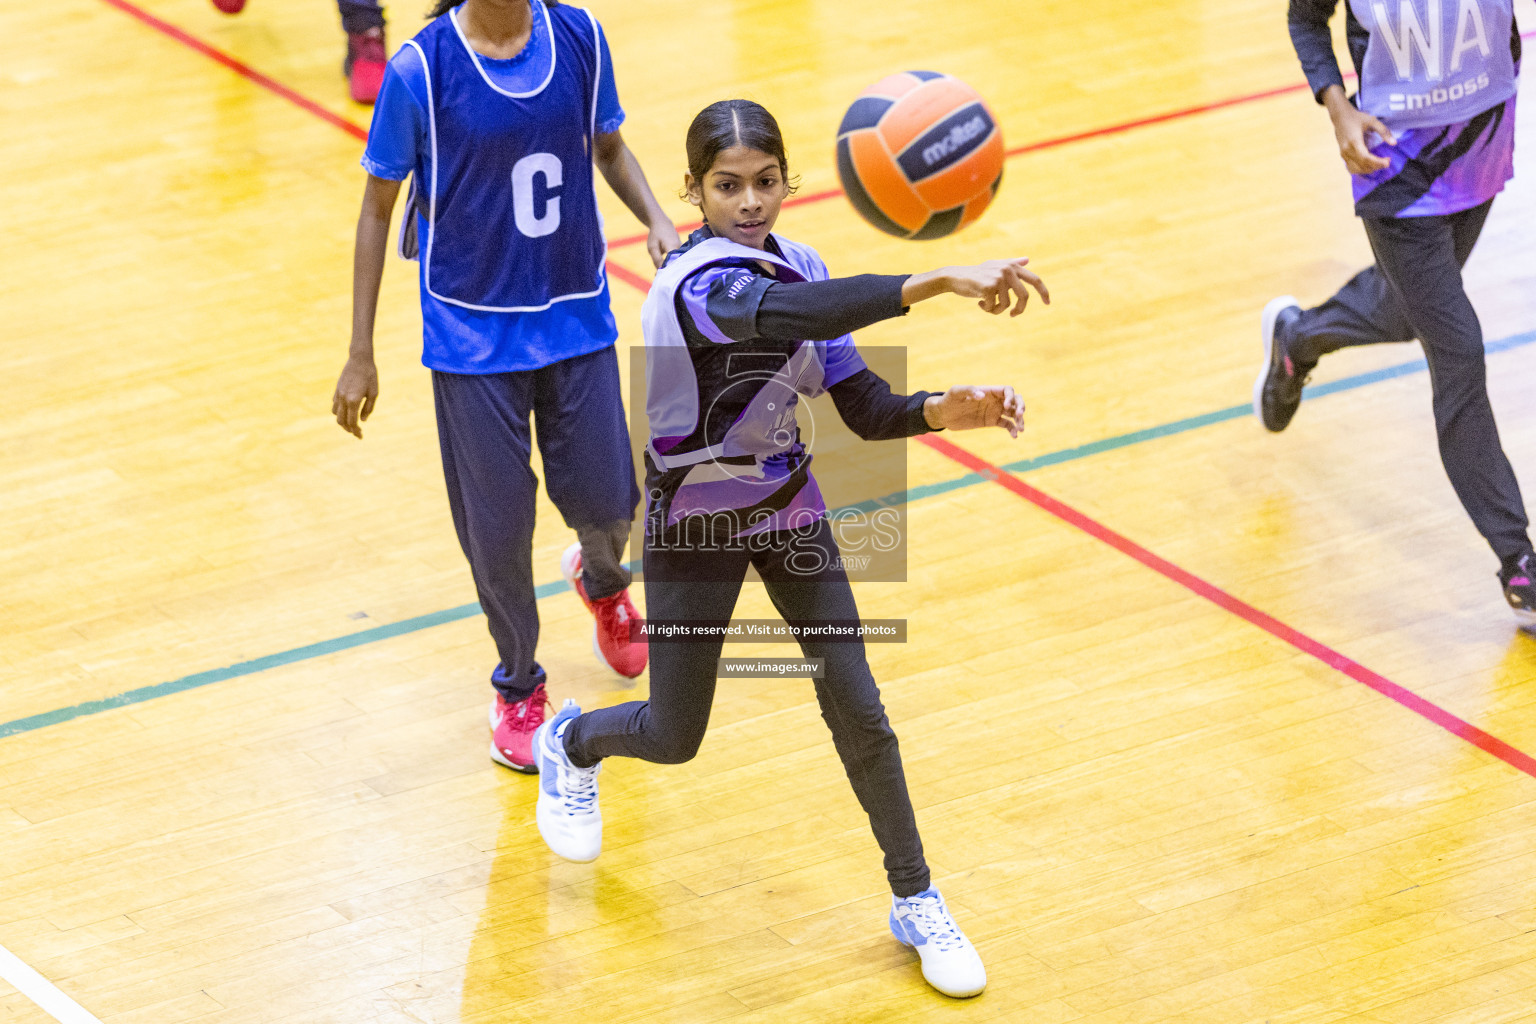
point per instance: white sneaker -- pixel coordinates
(950, 963)
(567, 811)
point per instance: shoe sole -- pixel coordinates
(970, 994)
(597, 651)
(1271, 314)
(530, 769)
(505, 763)
(538, 816)
(953, 994)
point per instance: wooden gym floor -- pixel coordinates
(1184, 750)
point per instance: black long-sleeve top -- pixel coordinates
(747, 305)
(1308, 21)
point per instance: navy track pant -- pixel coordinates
(1415, 291)
(360, 15)
(483, 426)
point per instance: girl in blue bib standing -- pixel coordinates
(498, 111)
(1429, 139)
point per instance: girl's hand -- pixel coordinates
(1349, 130)
(663, 239)
(356, 392)
(968, 407)
(997, 283)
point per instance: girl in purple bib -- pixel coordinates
(1429, 139)
(729, 490)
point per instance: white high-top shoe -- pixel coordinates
(567, 810)
(950, 963)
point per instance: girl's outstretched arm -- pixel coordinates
(866, 404)
(358, 387)
(622, 172)
(996, 283)
(971, 407)
(745, 304)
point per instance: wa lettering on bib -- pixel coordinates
(1435, 62)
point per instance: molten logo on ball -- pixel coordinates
(920, 155)
(953, 140)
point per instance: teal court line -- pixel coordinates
(543, 590)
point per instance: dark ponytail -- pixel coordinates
(441, 7)
(728, 123)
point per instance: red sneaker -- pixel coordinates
(611, 618)
(230, 6)
(512, 729)
(364, 66)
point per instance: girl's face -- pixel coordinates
(740, 195)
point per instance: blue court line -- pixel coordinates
(543, 590)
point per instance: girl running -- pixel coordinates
(1430, 140)
(497, 110)
(738, 323)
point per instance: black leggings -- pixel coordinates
(1415, 291)
(702, 586)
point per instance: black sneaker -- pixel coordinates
(1519, 588)
(1277, 391)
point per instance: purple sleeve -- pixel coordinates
(843, 361)
(722, 300)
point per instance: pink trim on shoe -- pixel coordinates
(512, 729)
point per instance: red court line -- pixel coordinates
(272, 85)
(1172, 115)
(628, 276)
(1382, 685)
(1060, 140)
(1327, 655)
(239, 67)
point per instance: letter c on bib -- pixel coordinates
(528, 195)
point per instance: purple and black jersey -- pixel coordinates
(1435, 172)
(1439, 74)
(734, 338)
